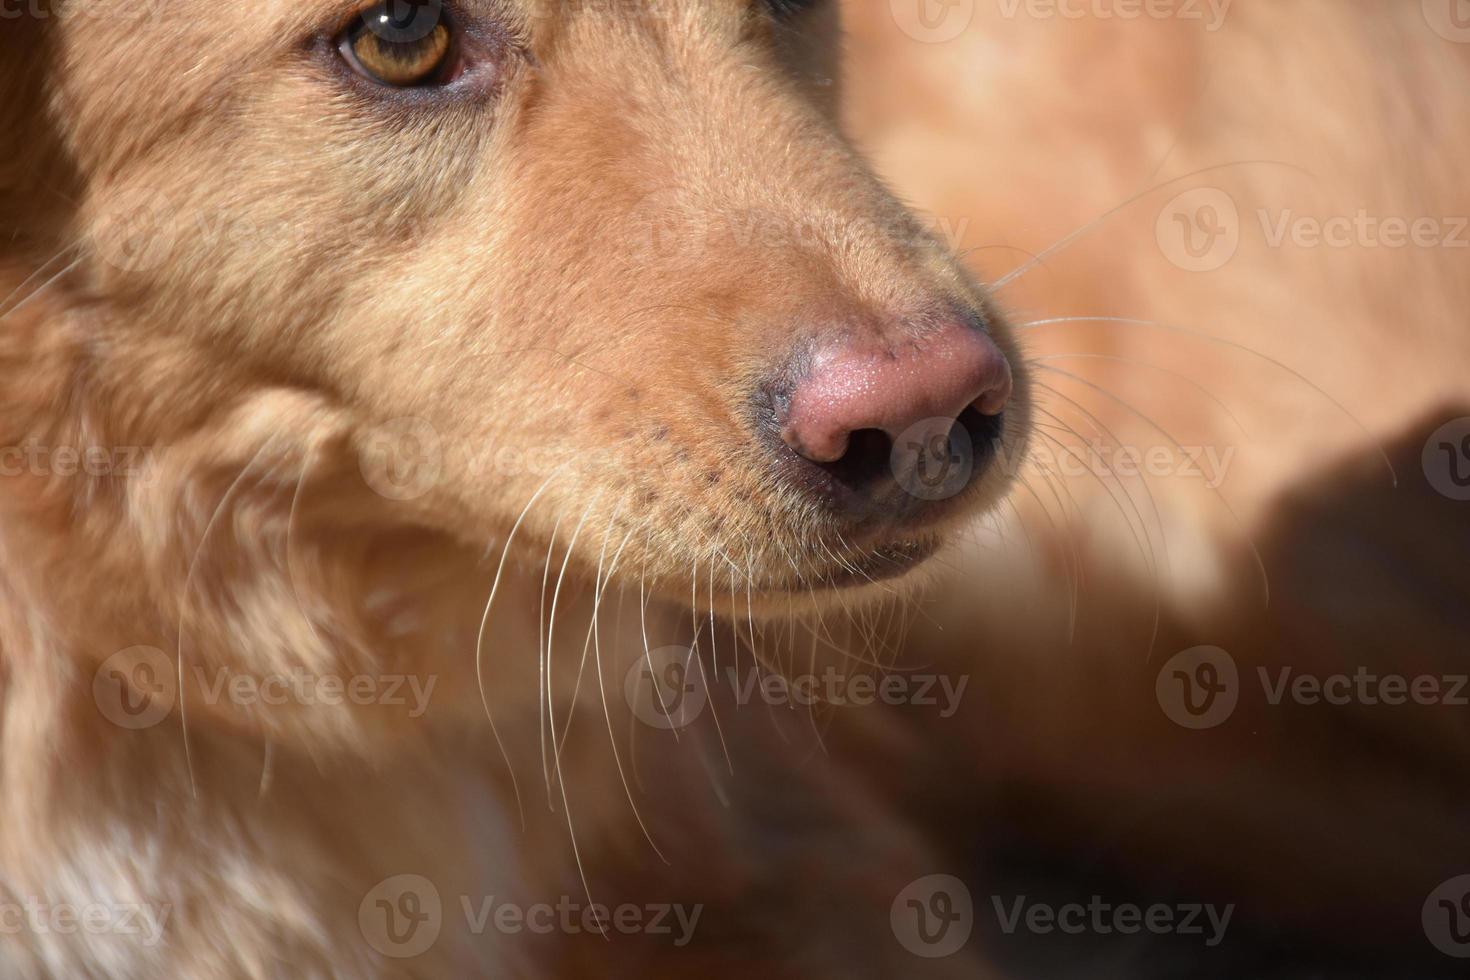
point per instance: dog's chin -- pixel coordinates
(864, 563)
(891, 558)
(887, 563)
(850, 580)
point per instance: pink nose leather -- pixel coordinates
(852, 386)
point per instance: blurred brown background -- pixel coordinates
(1267, 199)
(1248, 127)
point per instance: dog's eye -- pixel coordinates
(401, 43)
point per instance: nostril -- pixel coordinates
(984, 430)
(931, 461)
(937, 458)
(866, 462)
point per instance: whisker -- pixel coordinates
(38, 271)
(1209, 338)
(1148, 364)
(544, 683)
(599, 586)
(1151, 561)
(42, 288)
(1068, 240)
(1071, 584)
(607, 712)
(1058, 487)
(1104, 432)
(648, 656)
(556, 752)
(209, 527)
(291, 514)
(551, 634)
(709, 695)
(1147, 553)
(1240, 525)
(480, 641)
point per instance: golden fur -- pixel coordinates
(254, 271)
(591, 265)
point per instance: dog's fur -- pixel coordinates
(574, 262)
(318, 260)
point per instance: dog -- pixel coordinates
(360, 351)
(431, 427)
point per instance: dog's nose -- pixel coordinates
(865, 417)
(851, 388)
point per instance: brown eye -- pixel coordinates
(402, 43)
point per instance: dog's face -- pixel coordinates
(609, 258)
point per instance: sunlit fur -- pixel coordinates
(503, 270)
(331, 260)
